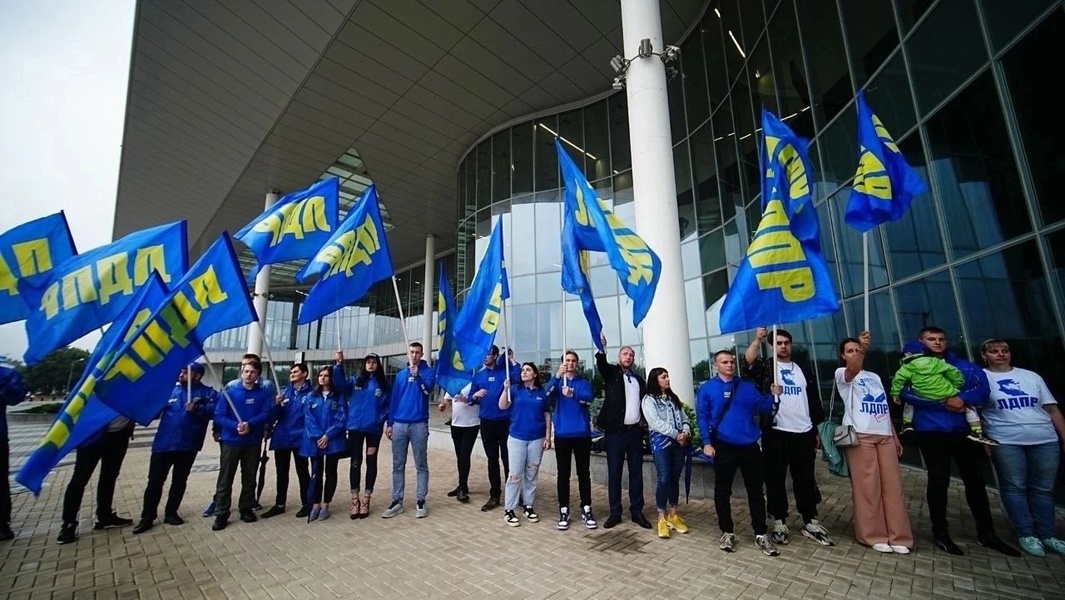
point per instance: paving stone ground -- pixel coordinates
(460, 552)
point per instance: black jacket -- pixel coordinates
(611, 418)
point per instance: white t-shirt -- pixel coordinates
(794, 412)
(865, 403)
(464, 414)
(1014, 413)
(632, 399)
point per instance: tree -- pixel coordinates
(57, 371)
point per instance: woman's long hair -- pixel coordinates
(378, 376)
(318, 386)
(654, 389)
(536, 374)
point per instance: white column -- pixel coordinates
(665, 330)
(427, 295)
(260, 296)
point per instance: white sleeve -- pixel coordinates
(1045, 396)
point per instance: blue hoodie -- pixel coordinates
(491, 381)
(409, 401)
(738, 425)
(934, 416)
(180, 430)
(288, 417)
(571, 416)
(254, 406)
(367, 401)
(12, 391)
(324, 414)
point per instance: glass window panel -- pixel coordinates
(685, 197)
(1056, 260)
(914, 241)
(696, 99)
(942, 62)
(523, 324)
(693, 301)
(789, 71)
(689, 259)
(732, 37)
(1006, 19)
(522, 289)
(548, 228)
(604, 282)
(889, 96)
(597, 140)
(826, 58)
(747, 140)
(714, 57)
(620, 154)
(484, 174)
(736, 241)
(927, 302)
(883, 360)
(522, 165)
(1005, 295)
(910, 11)
(975, 170)
(617, 322)
(700, 355)
(1041, 135)
(715, 285)
(571, 128)
(521, 257)
(675, 94)
(549, 324)
(762, 81)
(851, 253)
(501, 165)
(548, 287)
(828, 242)
(839, 144)
(546, 173)
(707, 199)
(727, 163)
(753, 21)
(825, 335)
(712, 251)
(871, 35)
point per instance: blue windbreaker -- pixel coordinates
(288, 418)
(180, 430)
(934, 416)
(324, 415)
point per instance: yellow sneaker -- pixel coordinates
(676, 523)
(663, 529)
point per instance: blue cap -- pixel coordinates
(195, 367)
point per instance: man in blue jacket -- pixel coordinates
(572, 395)
(241, 434)
(408, 423)
(726, 409)
(485, 391)
(285, 441)
(12, 391)
(182, 428)
(942, 434)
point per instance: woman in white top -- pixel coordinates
(880, 517)
(465, 423)
(1023, 417)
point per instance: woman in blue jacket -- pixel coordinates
(324, 415)
(368, 396)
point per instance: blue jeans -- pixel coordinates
(1026, 480)
(668, 463)
(525, 460)
(417, 434)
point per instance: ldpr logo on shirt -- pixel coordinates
(790, 387)
(1017, 398)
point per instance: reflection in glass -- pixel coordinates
(829, 75)
(693, 303)
(689, 259)
(545, 155)
(914, 241)
(571, 128)
(728, 166)
(597, 140)
(762, 80)
(1006, 19)
(871, 35)
(522, 149)
(789, 70)
(927, 302)
(887, 338)
(714, 55)
(840, 150)
(715, 285)
(695, 92)
(941, 62)
(675, 96)
(521, 254)
(484, 173)
(522, 289)
(910, 11)
(620, 153)
(548, 228)
(712, 251)
(501, 165)
(707, 200)
(889, 96)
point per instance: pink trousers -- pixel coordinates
(880, 515)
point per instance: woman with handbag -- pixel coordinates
(873, 450)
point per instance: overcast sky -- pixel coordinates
(64, 65)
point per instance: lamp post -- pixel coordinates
(70, 375)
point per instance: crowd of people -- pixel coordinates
(760, 417)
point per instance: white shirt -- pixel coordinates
(1014, 413)
(632, 399)
(865, 403)
(464, 414)
(794, 413)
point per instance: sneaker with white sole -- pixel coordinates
(421, 511)
(588, 518)
(531, 515)
(882, 547)
(511, 519)
(766, 545)
(1054, 545)
(563, 518)
(727, 542)
(817, 532)
(900, 549)
(1032, 545)
(981, 438)
(781, 534)
(396, 508)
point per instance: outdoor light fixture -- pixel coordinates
(645, 48)
(620, 64)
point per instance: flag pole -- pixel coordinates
(402, 322)
(506, 339)
(865, 274)
(773, 349)
(337, 323)
(269, 355)
(222, 387)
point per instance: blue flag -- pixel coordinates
(83, 416)
(94, 288)
(212, 297)
(476, 324)
(575, 280)
(784, 277)
(597, 229)
(30, 250)
(297, 226)
(885, 184)
(786, 167)
(451, 374)
(355, 258)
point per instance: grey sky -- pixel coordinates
(64, 66)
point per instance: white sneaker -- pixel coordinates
(781, 535)
(885, 548)
(900, 549)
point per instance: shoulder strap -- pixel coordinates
(832, 402)
(728, 403)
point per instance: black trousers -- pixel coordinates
(246, 458)
(464, 438)
(581, 451)
(625, 447)
(937, 450)
(494, 436)
(324, 477)
(5, 484)
(784, 450)
(748, 461)
(356, 439)
(283, 458)
(109, 451)
(159, 466)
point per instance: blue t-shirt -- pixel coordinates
(1014, 411)
(527, 413)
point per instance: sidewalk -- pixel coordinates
(460, 552)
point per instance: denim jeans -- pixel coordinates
(1026, 480)
(524, 471)
(668, 463)
(417, 435)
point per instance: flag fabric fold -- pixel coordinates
(30, 250)
(296, 227)
(476, 324)
(83, 416)
(885, 184)
(575, 281)
(353, 259)
(212, 297)
(94, 288)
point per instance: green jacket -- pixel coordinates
(931, 378)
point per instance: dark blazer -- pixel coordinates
(611, 417)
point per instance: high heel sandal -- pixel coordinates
(355, 507)
(364, 509)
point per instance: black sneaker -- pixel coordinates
(531, 515)
(454, 492)
(68, 534)
(173, 519)
(256, 506)
(220, 522)
(944, 543)
(463, 496)
(274, 510)
(302, 512)
(995, 543)
(112, 521)
(248, 516)
(588, 518)
(563, 518)
(511, 519)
